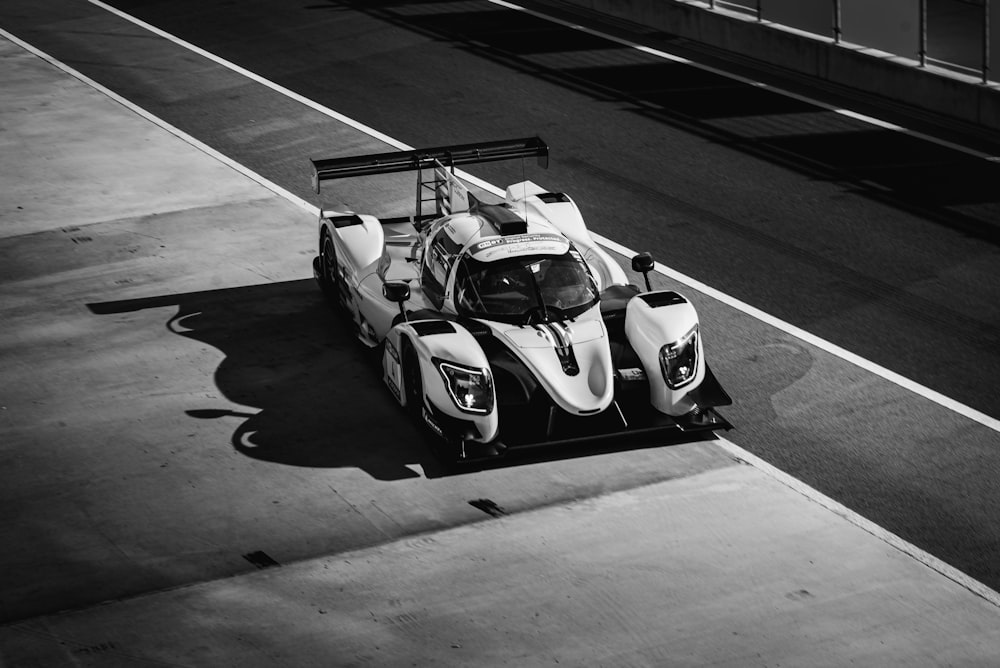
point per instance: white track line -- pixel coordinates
(736, 451)
(159, 121)
(254, 77)
(665, 55)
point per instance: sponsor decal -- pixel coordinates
(392, 387)
(561, 338)
(496, 248)
(632, 374)
(449, 193)
(391, 349)
(429, 420)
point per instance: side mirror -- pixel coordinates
(643, 262)
(397, 292)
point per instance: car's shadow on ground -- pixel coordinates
(594, 448)
(309, 393)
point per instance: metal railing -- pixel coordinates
(951, 34)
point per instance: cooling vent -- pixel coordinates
(663, 298)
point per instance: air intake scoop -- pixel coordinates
(503, 220)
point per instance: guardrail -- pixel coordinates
(952, 34)
(871, 48)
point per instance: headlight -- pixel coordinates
(470, 388)
(679, 360)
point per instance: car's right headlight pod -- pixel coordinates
(679, 360)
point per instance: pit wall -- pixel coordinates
(893, 79)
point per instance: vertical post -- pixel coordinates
(711, 4)
(420, 192)
(837, 25)
(922, 49)
(759, 17)
(986, 41)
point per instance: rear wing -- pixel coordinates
(446, 189)
(449, 156)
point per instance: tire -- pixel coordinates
(413, 383)
(329, 276)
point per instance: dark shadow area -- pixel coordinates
(603, 446)
(312, 393)
(930, 175)
(955, 34)
(889, 166)
(687, 90)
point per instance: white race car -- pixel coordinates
(505, 325)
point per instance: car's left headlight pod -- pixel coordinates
(470, 388)
(679, 360)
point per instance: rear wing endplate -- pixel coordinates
(424, 158)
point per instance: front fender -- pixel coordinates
(655, 319)
(432, 340)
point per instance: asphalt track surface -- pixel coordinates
(883, 244)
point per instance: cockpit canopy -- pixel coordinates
(524, 289)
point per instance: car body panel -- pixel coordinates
(571, 360)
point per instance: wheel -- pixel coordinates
(329, 276)
(413, 383)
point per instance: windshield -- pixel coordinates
(524, 290)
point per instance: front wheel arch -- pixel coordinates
(413, 382)
(448, 450)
